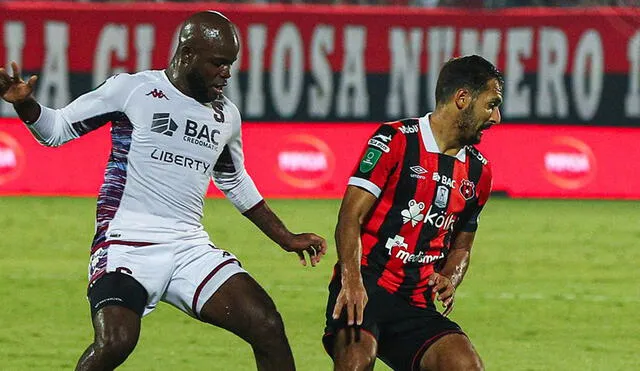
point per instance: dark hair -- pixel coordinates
(471, 72)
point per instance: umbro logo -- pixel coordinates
(157, 94)
(418, 171)
(163, 124)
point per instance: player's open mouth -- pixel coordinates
(218, 88)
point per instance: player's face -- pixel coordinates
(483, 113)
(208, 73)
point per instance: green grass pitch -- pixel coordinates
(553, 285)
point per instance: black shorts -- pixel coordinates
(117, 288)
(403, 332)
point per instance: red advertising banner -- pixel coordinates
(315, 160)
(325, 63)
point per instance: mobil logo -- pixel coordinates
(569, 163)
(304, 161)
(11, 158)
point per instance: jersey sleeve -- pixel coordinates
(86, 113)
(472, 216)
(230, 176)
(379, 158)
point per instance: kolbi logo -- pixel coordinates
(437, 218)
(411, 129)
(569, 163)
(305, 161)
(11, 158)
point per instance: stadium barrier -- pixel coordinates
(570, 66)
(302, 160)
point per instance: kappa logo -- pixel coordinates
(413, 213)
(417, 172)
(157, 94)
(163, 124)
(467, 189)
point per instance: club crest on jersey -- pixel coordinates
(442, 196)
(413, 213)
(467, 189)
(370, 159)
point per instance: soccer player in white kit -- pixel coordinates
(172, 131)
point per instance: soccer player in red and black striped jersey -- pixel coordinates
(406, 227)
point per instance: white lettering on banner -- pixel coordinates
(232, 91)
(488, 48)
(302, 161)
(352, 96)
(14, 40)
(55, 71)
(588, 58)
(254, 102)
(114, 38)
(321, 91)
(145, 42)
(404, 73)
(632, 101)
(174, 43)
(517, 103)
(441, 42)
(287, 48)
(567, 162)
(552, 63)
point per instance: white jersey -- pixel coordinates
(166, 147)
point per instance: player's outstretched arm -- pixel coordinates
(450, 276)
(269, 223)
(356, 205)
(15, 90)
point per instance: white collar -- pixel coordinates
(430, 141)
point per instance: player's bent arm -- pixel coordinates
(458, 258)
(356, 205)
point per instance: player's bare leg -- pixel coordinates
(354, 350)
(116, 330)
(241, 306)
(453, 352)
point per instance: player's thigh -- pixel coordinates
(351, 347)
(148, 266)
(201, 271)
(451, 352)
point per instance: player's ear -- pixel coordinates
(462, 98)
(187, 54)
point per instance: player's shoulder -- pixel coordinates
(128, 81)
(475, 155)
(408, 126)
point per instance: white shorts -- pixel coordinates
(184, 274)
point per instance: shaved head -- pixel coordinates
(207, 29)
(207, 46)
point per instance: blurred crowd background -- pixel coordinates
(416, 3)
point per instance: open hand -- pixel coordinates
(314, 245)
(352, 297)
(443, 290)
(12, 88)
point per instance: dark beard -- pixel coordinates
(468, 134)
(196, 85)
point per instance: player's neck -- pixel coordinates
(180, 84)
(445, 132)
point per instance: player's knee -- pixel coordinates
(116, 345)
(350, 359)
(267, 329)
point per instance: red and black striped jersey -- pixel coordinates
(424, 198)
